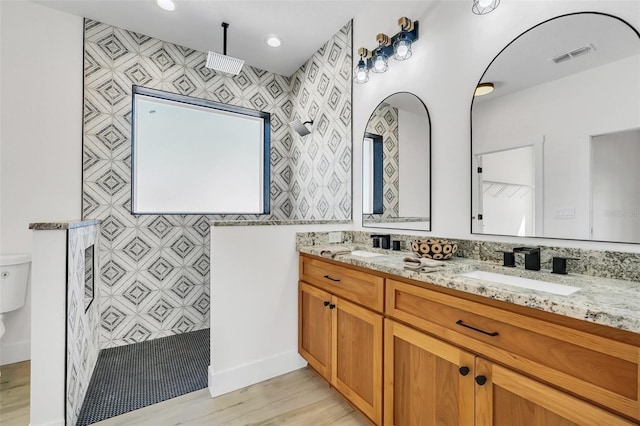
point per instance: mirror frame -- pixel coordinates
(471, 162)
(429, 139)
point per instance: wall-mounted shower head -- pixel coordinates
(300, 127)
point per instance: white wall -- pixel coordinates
(254, 303)
(40, 135)
(47, 398)
(414, 156)
(616, 186)
(454, 49)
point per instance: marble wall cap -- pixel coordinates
(277, 222)
(65, 224)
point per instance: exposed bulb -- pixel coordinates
(380, 63)
(482, 7)
(361, 74)
(402, 50)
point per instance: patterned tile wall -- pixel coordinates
(384, 122)
(83, 336)
(321, 161)
(156, 268)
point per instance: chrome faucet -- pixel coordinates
(531, 257)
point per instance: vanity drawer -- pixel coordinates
(593, 367)
(357, 286)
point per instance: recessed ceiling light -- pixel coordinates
(483, 89)
(274, 41)
(166, 4)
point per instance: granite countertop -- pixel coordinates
(65, 224)
(605, 301)
(276, 222)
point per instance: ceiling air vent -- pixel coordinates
(573, 54)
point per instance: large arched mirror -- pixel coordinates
(556, 145)
(396, 165)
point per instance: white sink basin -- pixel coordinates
(560, 289)
(363, 253)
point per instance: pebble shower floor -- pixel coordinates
(130, 377)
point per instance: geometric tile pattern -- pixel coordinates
(83, 328)
(156, 267)
(384, 122)
(320, 165)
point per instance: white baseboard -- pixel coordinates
(226, 381)
(15, 352)
(56, 423)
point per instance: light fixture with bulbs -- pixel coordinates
(380, 58)
(483, 89)
(361, 73)
(482, 7)
(398, 47)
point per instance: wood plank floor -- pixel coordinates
(14, 394)
(296, 398)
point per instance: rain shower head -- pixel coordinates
(301, 127)
(222, 62)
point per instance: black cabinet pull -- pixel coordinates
(337, 280)
(492, 333)
(326, 303)
(481, 380)
(464, 370)
(331, 306)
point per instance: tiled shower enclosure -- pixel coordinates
(155, 269)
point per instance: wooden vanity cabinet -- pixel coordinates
(459, 361)
(508, 398)
(536, 354)
(340, 333)
(426, 381)
(431, 382)
(314, 328)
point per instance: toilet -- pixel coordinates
(14, 276)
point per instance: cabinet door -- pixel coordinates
(314, 328)
(507, 398)
(357, 357)
(427, 381)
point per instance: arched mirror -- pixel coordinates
(556, 145)
(396, 165)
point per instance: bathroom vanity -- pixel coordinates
(415, 348)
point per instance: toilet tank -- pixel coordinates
(14, 276)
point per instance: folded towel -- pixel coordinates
(333, 252)
(423, 269)
(421, 262)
